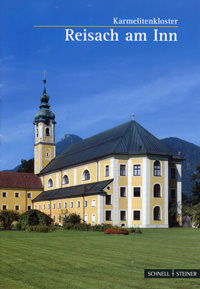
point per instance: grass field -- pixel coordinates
(73, 259)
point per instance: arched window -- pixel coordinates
(156, 191)
(86, 175)
(47, 131)
(50, 183)
(157, 213)
(65, 180)
(156, 169)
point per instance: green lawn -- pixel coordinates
(72, 259)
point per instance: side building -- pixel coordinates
(122, 176)
(17, 190)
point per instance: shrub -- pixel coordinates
(77, 227)
(40, 228)
(72, 219)
(116, 231)
(17, 226)
(7, 217)
(34, 218)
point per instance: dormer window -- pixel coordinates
(47, 131)
(156, 169)
(50, 183)
(86, 175)
(65, 180)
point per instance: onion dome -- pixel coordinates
(44, 115)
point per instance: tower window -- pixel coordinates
(47, 131)
(123, 170)
(156, 191)
(136, 170)
(86, 175)
(157, 214)
(136, 192)
(156, 169)
(136, 215)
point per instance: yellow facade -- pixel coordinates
(44, 148)
(128, 204)
(17, 199)
(157, 201)
(86, 207)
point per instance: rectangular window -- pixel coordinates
(44, 207)
(173, 173)
(54, 205)
(4, 195)
(28, 208)
(48, 206)
(29, 195)
(122, 192)
(17, 195)
(39, 207)
(122, 170)
(17, 207)
(136, 192)
(108, 215)
(173, 193)
(108, 200)
(93, 203)
(4, 207)
(59, 205)
(65, 205)
(136, 215)
(107, 171)
(54, 218)
(78, 204)
(137, 170)
(86, 218)
(35, 207)
(59, 218)
(93, 218)
(122, 215)
(71, 204)
(85, 204)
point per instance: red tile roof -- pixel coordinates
(20, 180)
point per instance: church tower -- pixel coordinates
(44, 148)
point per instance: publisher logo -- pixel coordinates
(165, 273)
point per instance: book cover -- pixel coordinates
(104, 63)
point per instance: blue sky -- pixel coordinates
(94, 86)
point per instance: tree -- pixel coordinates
(7, 217)
(196, 187)
(26, 166)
